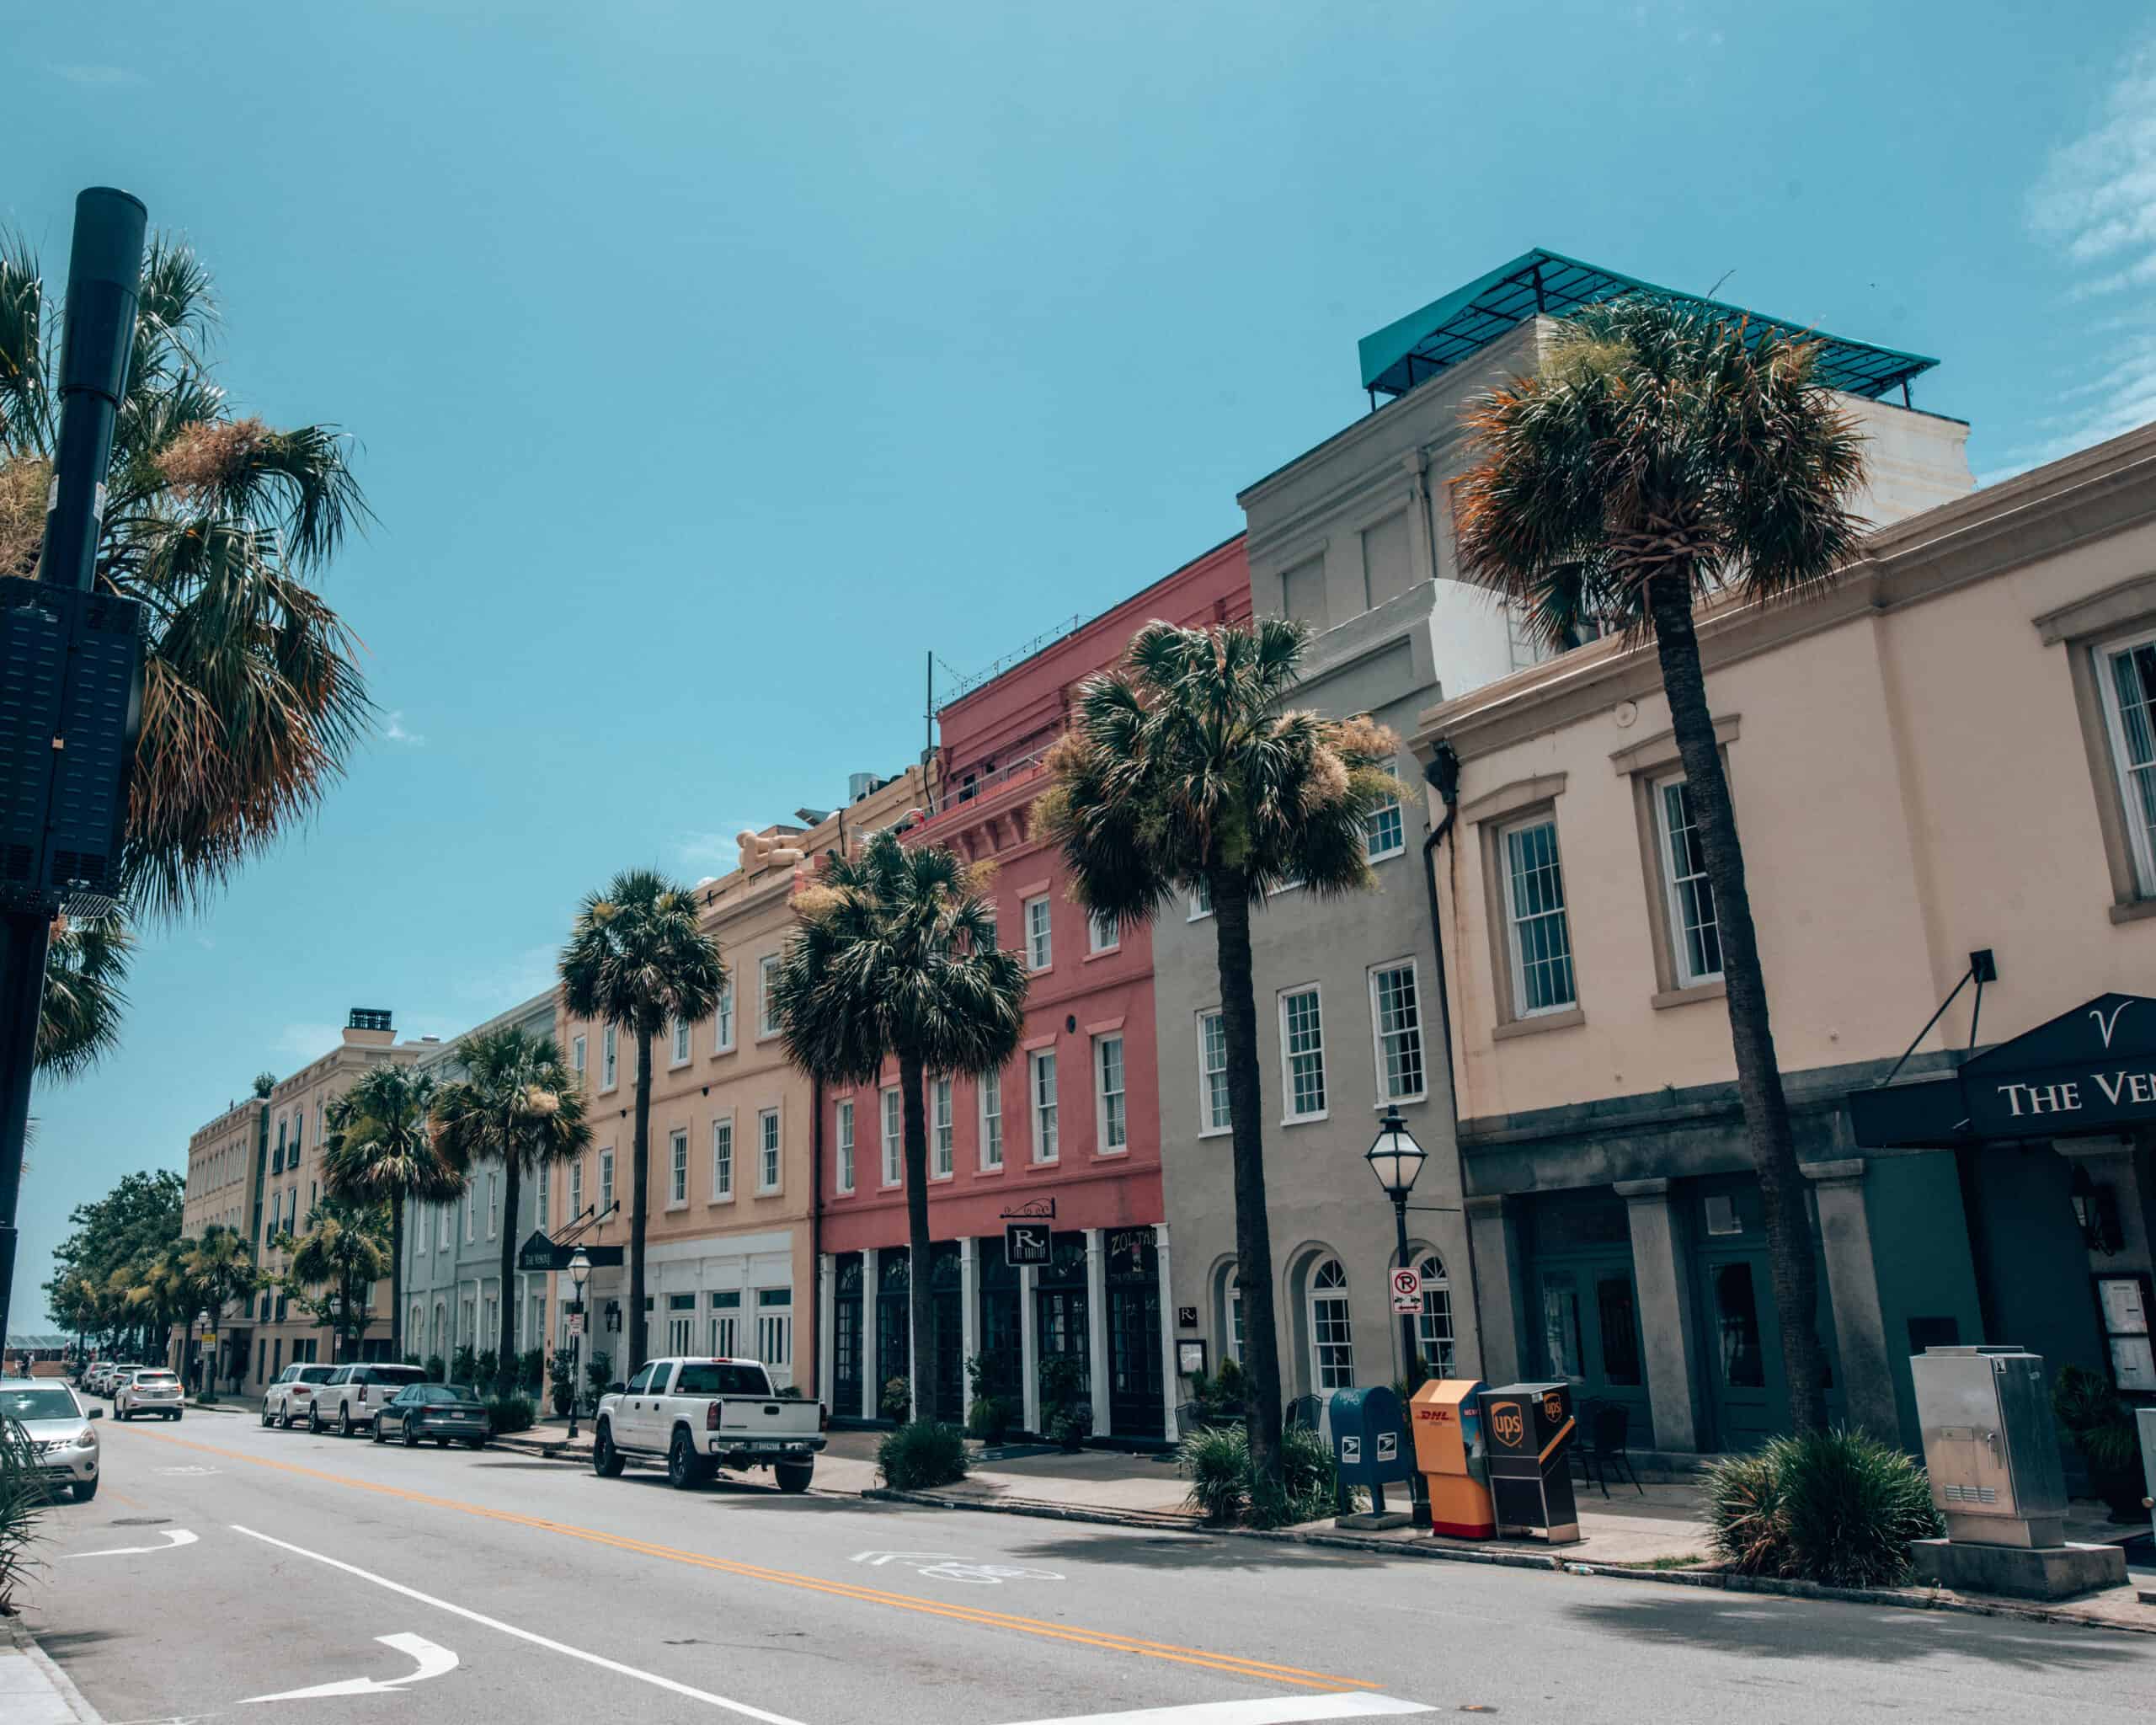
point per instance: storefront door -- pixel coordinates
(1060, 1319)
(894, 1329)
(1586, 1316)
(847, 1336)
(1134, 1383)
(1741, 1339)
(1000, 1351)
(947, 1287)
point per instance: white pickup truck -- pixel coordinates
(701, 1415)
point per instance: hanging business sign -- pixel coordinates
(1026, 1243)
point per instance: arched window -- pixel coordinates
(1434, 1325)
(1333, 1346)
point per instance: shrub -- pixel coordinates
(1073, 1426)
(487, 1367)
(464, 1365)
(1833, 1507)
(989, 1419)
(600, 1372)
(1216, 1461)
(2102, 1430)
(531, 1370)
(896, 1402)
(23, 1496)
(509, 1413)
(921, 1456)
(437, 1368)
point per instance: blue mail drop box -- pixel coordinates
(1368, 1438)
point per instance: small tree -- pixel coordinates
(896, 959)
(343, 1252)
(381, 1151)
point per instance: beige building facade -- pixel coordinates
(1944, 777)
(225, 1161)
(733, 1218)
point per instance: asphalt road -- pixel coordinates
(502, 1588)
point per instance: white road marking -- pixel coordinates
(946, 1566)
(536, 1640)
(1282, 1710)
(434, 1662)
(174, 1538)
(877, 1560)
(196, 1471)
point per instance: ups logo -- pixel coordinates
(1507, 1422)
(1553, 1407)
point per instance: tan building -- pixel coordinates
(292, 1185)
(226, 1160)
(1946, 764)
(731, 1233)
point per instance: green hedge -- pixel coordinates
(1833, 1507)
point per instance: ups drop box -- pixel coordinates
(1529, 1430)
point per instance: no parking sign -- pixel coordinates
(1407, 1292)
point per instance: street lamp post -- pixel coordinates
(579, 1268)
(1396, 1159)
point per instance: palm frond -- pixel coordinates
(85, 999)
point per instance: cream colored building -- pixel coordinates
(226, 1160)
(1944, 763)
(731, 1229)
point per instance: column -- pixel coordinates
(1029, 1362)
(827, 1295)
(968, 1320)
(1667, 1325)
(1096, 1328)
(1170, 1383)
(871, 1388)
(1494, 1236)
(1853, 1285)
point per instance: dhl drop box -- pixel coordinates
(1447, 1419)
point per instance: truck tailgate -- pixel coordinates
(754, 1417)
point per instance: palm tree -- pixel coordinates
(1665, 455)
(252, 696)
(78, 1022)
(896, 959)
(1181, 773)
(345, 1250)
(381, 1149)
(159, 1294)
(637, 957)
(75, 1304)
(221, 1268)
(520, 1105)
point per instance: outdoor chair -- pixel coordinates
(1607, 1425)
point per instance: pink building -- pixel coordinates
(1069, 1134)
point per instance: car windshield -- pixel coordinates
(717, 1378)
(37, 1404)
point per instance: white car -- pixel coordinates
(351, 1396)
(288, 1401)
(154, 1389)
(701, 1415)
(53, 1418)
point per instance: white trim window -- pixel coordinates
(546, 1184)
(1040, 927)
(722, 1159)
(681, 1322)
(775, 1326)
(605, 1180)
(1694, 930)
(471, 1210)
(846, 1146)
(1433, 1337)
(767, 996)
(1302, 1053)
(725, 1323)
(576, 1056)
(1396, 1023)
(1200, 902)
(682, 1030)
(1114, 1121)
(576, 1198)
(894, 1141)
(1103, 934)
(1214, 1112)
(767, 1150)
(1538, 934)
(2127, 671)
(1333, 1336)
(942, 1137)
(609, 1063)
(494, 1206)
(677, 1166)
(1040, 1080)
(1385, 830)
(991, 1121)
(722, 1031)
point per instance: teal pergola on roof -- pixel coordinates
(1446, 331)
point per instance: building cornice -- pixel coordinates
(2093, 494)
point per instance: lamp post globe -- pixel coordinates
(1394, 1157)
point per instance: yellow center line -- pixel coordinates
(1233, 1664)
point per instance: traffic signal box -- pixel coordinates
(1530, 1429)
(1449, 1449)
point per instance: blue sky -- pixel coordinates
(711, 365)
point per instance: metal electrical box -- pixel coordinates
(1990, 1446)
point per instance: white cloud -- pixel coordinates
(99, 77)
(392, 730)
(716, 852)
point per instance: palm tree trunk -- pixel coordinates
(1253, 1224)
(505, 1383)
(1782, 1185)
(920, 1290)
(396, 1275)
(639, 1144)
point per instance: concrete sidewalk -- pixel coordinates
(33, 1690)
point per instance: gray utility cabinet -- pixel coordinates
(1989, 1445)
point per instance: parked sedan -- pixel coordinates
(53, 1418)
(153, 1390)
(442, 1412)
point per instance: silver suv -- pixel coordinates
(52, 1417)
(353, 1395)
(152, 1390)
(288, 1401)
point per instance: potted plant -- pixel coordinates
(896, 1403)
(1066, 1407)
(2102, 1430)
(597, 1374)
(436, 1369)
(561, 1381)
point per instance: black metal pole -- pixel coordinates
(1407, 1343)
(105, 275)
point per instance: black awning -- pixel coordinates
(2089, 1071)
(538, 1253)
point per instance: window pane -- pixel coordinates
(1434, 1324)
(991, 1121)
(1114, 1131)
(1620, 1335)
(1736, 1313)
(1542, 945)
(1697, 935)
(721, 1158)
(1384, 834)
(1303, 1044)
(845, 1147)
(1561, 1325)
(1213, 1070)
(1399, 1018)
(2133, 680)
(940, 1125)
(1332, 1340)
(1045, 1143)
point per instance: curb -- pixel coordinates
(1905, 1600)
(63, 1687)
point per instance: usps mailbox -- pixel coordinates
(1529, 1428)
(1369, 1442)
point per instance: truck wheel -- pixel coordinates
(605, 1459)
(794, 1475)
(684, 1468)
